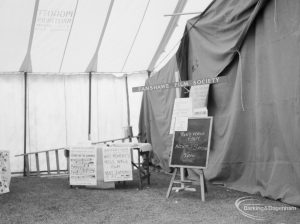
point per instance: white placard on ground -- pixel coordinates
(117, 163)
(83, 166)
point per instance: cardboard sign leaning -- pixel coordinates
(117, 163)
(83, 166)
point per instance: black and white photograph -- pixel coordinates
(149, 111)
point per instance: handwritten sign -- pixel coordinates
(117, 164)
(4, 172)
(199, 95)
(191, 148)
(83, 162)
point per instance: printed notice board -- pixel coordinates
(83, 166)
(182, 108)
(191, 148)
(117, 163)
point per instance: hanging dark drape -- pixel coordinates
(256, 131)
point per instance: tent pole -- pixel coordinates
(25, 122)
(90, 104)
(129, 128)
(127, 97)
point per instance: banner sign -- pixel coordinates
(83, 166)
(191, 147)
(5, 174)
(117, 164)
(203, 81)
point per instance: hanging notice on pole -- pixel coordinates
(83, 166)
(117, 163)
(182, 108)
(199, 96)
(4, 172)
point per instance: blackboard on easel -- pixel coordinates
(190, 148)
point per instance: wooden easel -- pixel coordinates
(183, 183)
(190, 149)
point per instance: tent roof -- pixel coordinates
(65, 36)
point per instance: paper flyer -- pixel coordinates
(182, 108)
(181, 124)
(199, 96)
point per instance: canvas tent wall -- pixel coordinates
(56, 54)
(255, 138)
(82, 36)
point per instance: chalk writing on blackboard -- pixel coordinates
(191, 148)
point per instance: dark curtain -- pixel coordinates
(156, 114)
(256, 130)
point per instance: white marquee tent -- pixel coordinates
(66, 66)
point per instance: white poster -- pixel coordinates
(181, 123)
(182, 108)
(200, 112)
(5, 174)
(199, 96)
(117, 164)
(83, 166)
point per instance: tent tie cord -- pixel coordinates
(136, 34)
(275, 16)
(240, 73)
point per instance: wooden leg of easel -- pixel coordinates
(171, 182)
(202, 185)
(182, 177)
(205, 186)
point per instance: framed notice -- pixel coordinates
(117, 164)
(190, 148)
(83, 166)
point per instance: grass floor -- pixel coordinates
(51, 200)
